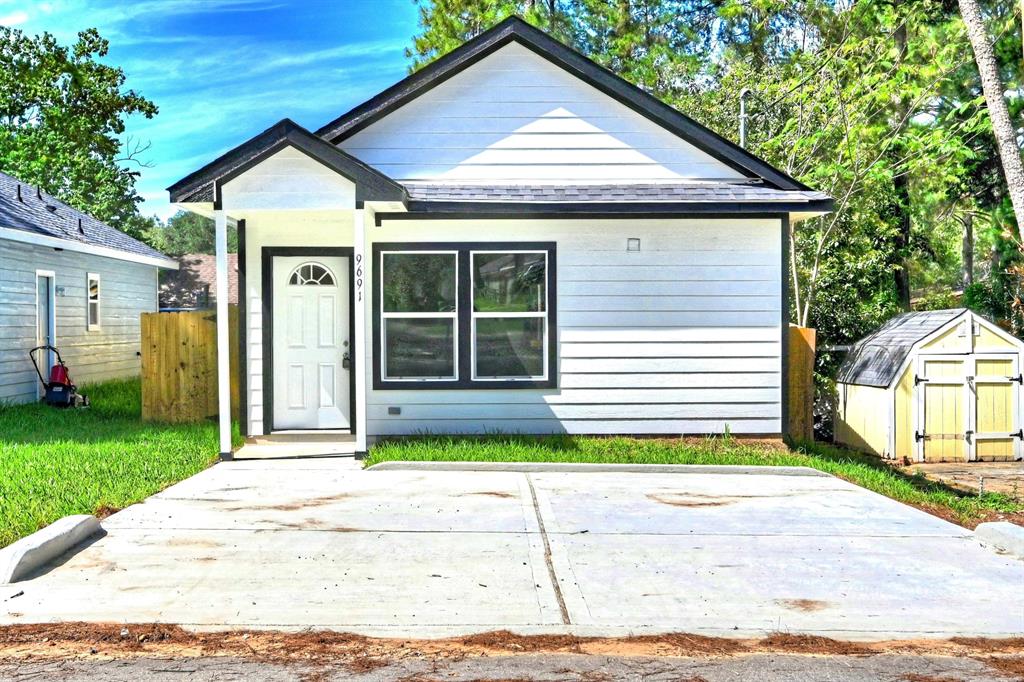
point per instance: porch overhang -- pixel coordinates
(201, 191)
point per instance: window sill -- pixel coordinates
(464, 385)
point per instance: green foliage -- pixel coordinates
(864, 470)
(876, 103)
(188, 233)
(61, 114)
(59, 462)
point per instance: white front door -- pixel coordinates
(311, 342)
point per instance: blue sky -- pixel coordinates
(224, 70)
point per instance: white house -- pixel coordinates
(71, 281)
(511, 239)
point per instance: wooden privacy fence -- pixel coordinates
(801, 382)
(179, 365)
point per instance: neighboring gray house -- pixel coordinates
(71, 281)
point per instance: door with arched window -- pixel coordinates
(311, 363)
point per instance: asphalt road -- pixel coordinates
(559, 667)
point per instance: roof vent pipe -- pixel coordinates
(39, 194)
(743, 116)
(19, 195)
(80, 228)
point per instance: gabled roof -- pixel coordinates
(37, 215)
(515, 29)
(203, 185)
(876, 359)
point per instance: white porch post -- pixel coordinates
(223, 336)
(360, 338)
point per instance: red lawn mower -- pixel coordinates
(60, 390)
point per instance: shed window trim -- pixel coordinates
(92, 302)
(465, 318)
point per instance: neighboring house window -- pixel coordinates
(459, 315)
(92, 291)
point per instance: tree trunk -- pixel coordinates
(998, 113)
(968, 251)
(901, 184)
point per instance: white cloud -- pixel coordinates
(14, 18)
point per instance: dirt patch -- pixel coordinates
(806, 605)
(489, 493)
(185, 541)
(1005, 645)
(105, 511)
(503, 639)
(918, 677)
(688, 501)
(1007, 665)
(811, 644)
(309, 503)
(359, 653)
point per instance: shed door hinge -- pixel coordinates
(1019, 379)
(919, 380)
(1019, 435)
(919, 436)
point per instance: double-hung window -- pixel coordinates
(92, 301)
(459, 315)
(419, 325)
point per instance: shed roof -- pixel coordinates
(39, 213)
(876, 359)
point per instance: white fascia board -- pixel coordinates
(14, 235)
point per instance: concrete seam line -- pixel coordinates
(28, 554)
(547, 554)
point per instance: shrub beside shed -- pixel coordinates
(933, 386)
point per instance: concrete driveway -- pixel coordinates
(411, 553)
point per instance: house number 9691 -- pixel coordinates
(359, 277)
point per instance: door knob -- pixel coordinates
(346, 361)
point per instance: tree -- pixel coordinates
(61, 114)
(999, 114)
(188, 233)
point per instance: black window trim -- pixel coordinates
(464, 380)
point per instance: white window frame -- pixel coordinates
(385, 316)
(474, 316)
(89, 324)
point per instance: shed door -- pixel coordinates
(995, 408)
(942, 408)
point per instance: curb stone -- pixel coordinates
(29, 553)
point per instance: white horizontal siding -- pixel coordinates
(289, 179)
(516, 117)
(681, 337)
(111, 351)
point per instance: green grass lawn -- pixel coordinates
(864, 470)
(59, 462)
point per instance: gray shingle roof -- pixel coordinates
(740, 192)
(41, 214)
(875, 359)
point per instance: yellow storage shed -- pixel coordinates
(933, 386)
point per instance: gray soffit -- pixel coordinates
(876, 359)
(41, 214)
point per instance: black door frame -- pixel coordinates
(268, 253)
